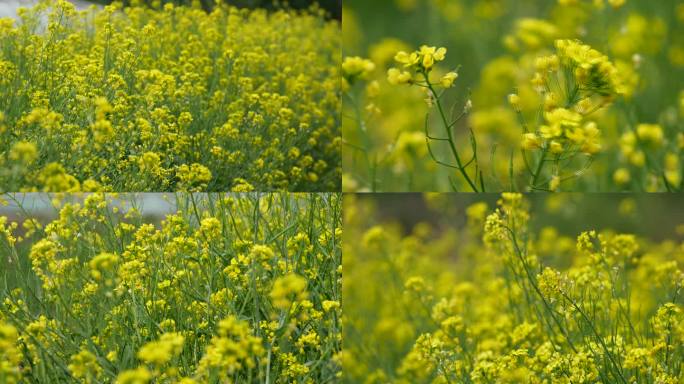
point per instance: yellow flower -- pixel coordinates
(184, 119)
(550, 131)
(10, 354)
(129, 278)
(329, 305)
(448, 80)
(396, 76)
(616, 3)
(211, 228)
(288, 290)
(234, 349)
(673, 173)
(139, 375)
(591, 144)
(408, 59)
(531, 141)
(650, 134)
(424, 58)
(587, 137)
(555, 147)
(149, 161)
(637, 158)
(551, 283)
(193, 177)
(593, 71)
(162, 351)
(241, 185)
(357, 68)
(621, 176)
(554, 183)
(514, 101)
(54, 178)
(638, 358)
(84, 365)
(49, 120)
(102, 263)
(109, 89)
(24, 152)
(562, 118)
(430, 55)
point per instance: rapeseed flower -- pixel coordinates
(134, 376)
(447, 81)
(110, 295)
(24, 152)
(84, 366)
(651, 134)
(356, 68)
(143, 98)
(10, 355)
(599, 59)
(498, 299)
(288, 290)
(162, 351)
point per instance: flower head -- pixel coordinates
(448, 80)
(356, 67)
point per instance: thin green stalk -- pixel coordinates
(452, 144)
(547, 306)
(539, 167)
(597, 336)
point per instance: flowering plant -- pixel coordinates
(170, 98)
(497, 299)
(239, 288)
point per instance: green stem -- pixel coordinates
(597, 336)
(366, 141)
(537, 290)
(450, 135)
(539, 167)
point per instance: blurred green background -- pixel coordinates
(655, 216)
(494, 44)
(473, 32)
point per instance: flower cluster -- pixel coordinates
(10, 357)
(573, 83)
(593, 72)
(354, 68)
(422, 63)
(499, 300)
(242, 288)
(530, 67)
(166, 99)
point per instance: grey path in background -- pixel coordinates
(8, 8)
(152, 204)
(40, 205)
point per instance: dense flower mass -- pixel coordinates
(514, 95)
(243, 288)
(574, 82)
(502, 299)
(144, 99)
